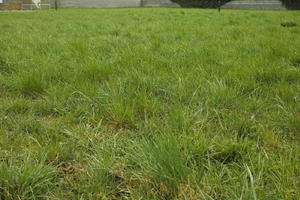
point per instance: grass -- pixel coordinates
(29, 180)
(149, 104)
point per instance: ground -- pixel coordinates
(149, 104)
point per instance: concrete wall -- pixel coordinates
(255, 4)
(98, 3)
(235, 4)
(159, 3)
(113, 3)
(22, 4)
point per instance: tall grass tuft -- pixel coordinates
(32, 84)
(162, 162)
(28, 180)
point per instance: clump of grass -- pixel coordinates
(94, 72)
(30, 126)
(27, 180)
(162, 163)
(102, 176)
(32, 84)
(59, 153)
(5, 67)
(18, 106)
(101, 181)
(228, 151)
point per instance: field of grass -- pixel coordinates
(149, 104)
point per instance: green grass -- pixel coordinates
(28, 180)
(149, 104)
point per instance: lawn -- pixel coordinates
(149, 104)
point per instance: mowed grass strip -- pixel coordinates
(149, 104)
